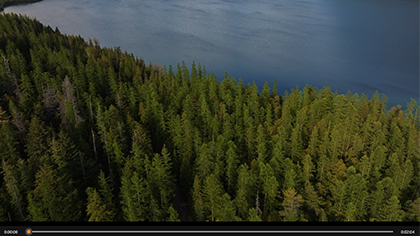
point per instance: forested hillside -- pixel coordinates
(96, 134)
(5, 3)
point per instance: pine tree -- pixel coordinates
(96, 210)
(392, 210)
(271, 191)
(253, 215)
(339, 196)
(356, 192)
(205, 162)
(401, 176)
(134, 194)
(413, 211)
(232, 165)
(162, 187)
(290, 174)
(385, 189)
(350, 212)
(64, 154)
(277, 160)
(226, 211)
(291, 204)
(314, 142)
(260, 143)
(364, 166)
(308, 168)
(36, 139)
(173, 215)
(270, 188)
(11, 180)
(106, 192)
(212, 196)
(62, 204)
(244, 188)
(312, 201)
(198, 200)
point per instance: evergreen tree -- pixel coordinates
(198, 200)
(253, 215)
(134, 193)
(62, 204)
(413, 213)
(290, 174)
(37, 136)
(291, 204)
(312, 201)
(244, 188)
(212, 196)
(226, 211)
(96, 209)
(392, 210)
(350, 212)
(106, 192)
(173, 215)
(339, 196)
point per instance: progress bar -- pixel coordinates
(209, 232)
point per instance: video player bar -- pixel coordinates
(142, 229)
(210, 232)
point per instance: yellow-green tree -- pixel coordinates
(96, 209)
(292, 201)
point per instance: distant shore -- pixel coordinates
(7, 3)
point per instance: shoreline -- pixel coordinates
(8, 4)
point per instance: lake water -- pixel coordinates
(356, 45)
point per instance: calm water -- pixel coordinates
(356, 45)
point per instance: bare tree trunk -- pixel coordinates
(83, 166)
(109, 161)
(90, 105)
(94, 144)
(12, 78)
(257, 204)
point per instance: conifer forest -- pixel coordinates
(97, 134)
(5, 3)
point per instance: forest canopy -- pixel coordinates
(5, 3)
(96, 134)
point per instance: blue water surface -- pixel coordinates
(356, 45)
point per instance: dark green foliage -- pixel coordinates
(94, 134)
(102, 201)
(61, 204)
(5, 3)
